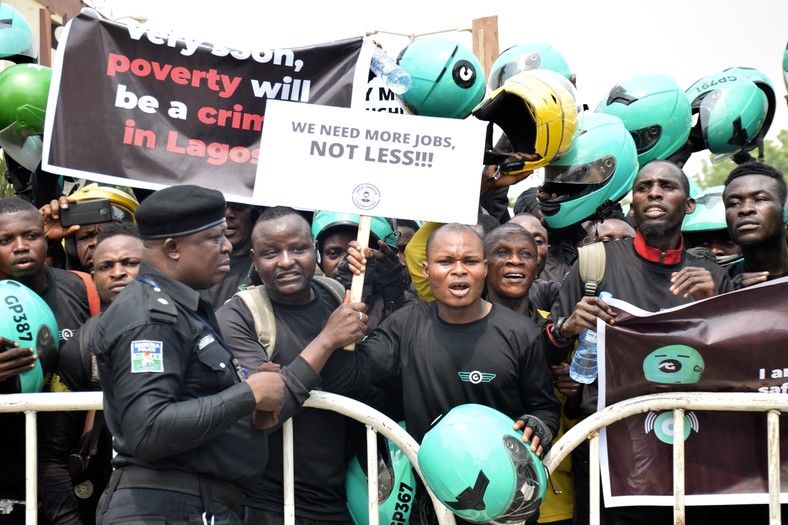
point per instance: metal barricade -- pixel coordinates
(772, 404)
(375, 422)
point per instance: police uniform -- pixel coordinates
(174, 396)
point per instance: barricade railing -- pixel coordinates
(772, 404)
(375, 422)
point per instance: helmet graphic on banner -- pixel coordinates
(537, 111)
(29, 321)
(479, 468)
(379, 228)
(24, 89)
(448, 79)
(655, 111)
(396, 486)
(594, 175)
(525, 57)
(17, 41)
(731, 112)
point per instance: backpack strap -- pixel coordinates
(334, 287)
(94, 301)
(259, 304)
(591, 262)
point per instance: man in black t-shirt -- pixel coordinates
(23, 248)
(754, 199)
(310, 324)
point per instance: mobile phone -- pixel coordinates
(93, 211)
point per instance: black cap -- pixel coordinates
(179, 210)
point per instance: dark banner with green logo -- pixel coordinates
(736, 342)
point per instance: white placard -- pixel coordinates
(370, 163)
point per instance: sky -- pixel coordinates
(604, 41)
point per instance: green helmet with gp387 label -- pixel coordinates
(29, 321)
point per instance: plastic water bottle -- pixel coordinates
(397, 79)
(584, 367)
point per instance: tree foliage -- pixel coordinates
(775, 154)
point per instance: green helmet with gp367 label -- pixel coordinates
(655, 110)
(480, 468)
(396, 486)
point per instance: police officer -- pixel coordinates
(188, 424)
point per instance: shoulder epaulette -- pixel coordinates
(160, 305)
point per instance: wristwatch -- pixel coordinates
(555, 331)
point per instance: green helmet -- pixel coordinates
(594, 175)
(731, 112)
(17, 41)
(24, 89)
(448, 79)
(29, 321)
(765, 85)
(396, 486)
(709, 212)
(524, 57)
(379, 227)
(785, 67)
(479, 468)
(654, 110)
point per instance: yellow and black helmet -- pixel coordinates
(538, 112)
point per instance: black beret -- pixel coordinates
(179, 210)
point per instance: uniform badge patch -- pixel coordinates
(147, 356)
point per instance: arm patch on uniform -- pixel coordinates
(147, 356)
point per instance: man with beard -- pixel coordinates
(754, 199)
(651, 271)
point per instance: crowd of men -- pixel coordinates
(198, 377)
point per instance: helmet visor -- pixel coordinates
(24, 146)
(595, 172)
(646, 138)
(530, 483)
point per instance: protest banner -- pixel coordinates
(371, 163)
(132, 106)
(733, 342)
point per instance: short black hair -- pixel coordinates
(129, 229)
(503, 229)
(14, 205)
(452, 227)
(760, 168)
(406, 223)
(276, 212)
(683, 179)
